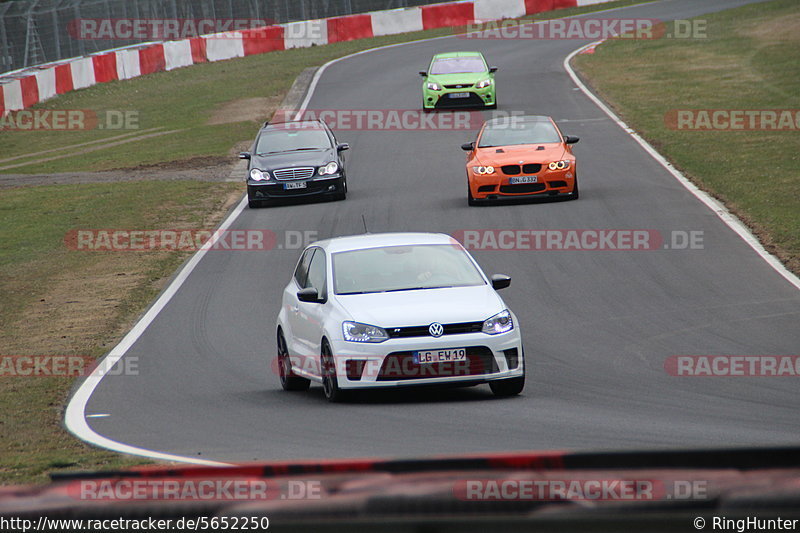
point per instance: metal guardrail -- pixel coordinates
(33, 32)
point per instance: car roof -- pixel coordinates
(457, 54)
(378, 240)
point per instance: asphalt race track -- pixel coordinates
(598, 325)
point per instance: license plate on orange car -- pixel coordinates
(523, 179)
(295, 185)
(425, 357)
(459, 95)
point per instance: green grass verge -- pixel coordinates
(56, 301)
(186, 99)
(748, 60)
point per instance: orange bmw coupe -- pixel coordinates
(520, 156)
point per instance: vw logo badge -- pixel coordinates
(436, 329)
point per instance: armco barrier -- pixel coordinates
(22, 90)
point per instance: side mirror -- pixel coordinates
(492, 69)
(571, 140)
(342, 147)
(244, 155)
(423, 73)
(308, 294)
(500, 281)
(468, 147)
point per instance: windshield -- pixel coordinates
(399, 268)
(519, 132)
(458, 65)
(289, 139)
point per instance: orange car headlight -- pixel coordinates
(559, 165)
(483, 170)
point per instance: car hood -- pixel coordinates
(512, 155)
(422, 307)
(305, 158)
(460, 78)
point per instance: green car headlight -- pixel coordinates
(483, 84)
(433, 86)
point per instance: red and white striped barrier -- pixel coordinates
(22, 90)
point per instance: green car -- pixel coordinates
(458, 79)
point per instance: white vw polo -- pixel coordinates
(396, 309)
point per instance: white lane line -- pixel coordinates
(75, 418)
(718, 208)
(98, 415)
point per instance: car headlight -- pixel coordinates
(358, 332)
(330, 168)
(484, 83)
(433, 86)
(259, 175)
(499, 323)
(483, 170)
(559, 165)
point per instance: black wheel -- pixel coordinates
(470, 200)
(342, 195)
(575, 194)
(503, 388)
(330, 385)
(289, 381)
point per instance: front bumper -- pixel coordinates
(442, 99)
(495, 186)
(274, 189)
(391, 364)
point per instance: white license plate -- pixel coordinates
(440, 356)
(523, 179)
(459, 95)
(295, 185)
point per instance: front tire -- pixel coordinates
(575, 194)
(503, 388)
(330, 383)
(289, 381)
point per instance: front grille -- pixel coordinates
(528, 168)
(522, 188)
(422, 331)
(461, 86)
(294, 173)
(277, 190)
(473, 101)
(400, 365)
(511, 170)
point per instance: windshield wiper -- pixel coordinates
(289, 150)
(420, 288)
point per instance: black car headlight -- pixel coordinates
(330, 168)
(259, 175)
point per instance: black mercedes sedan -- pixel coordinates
(295, 159)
